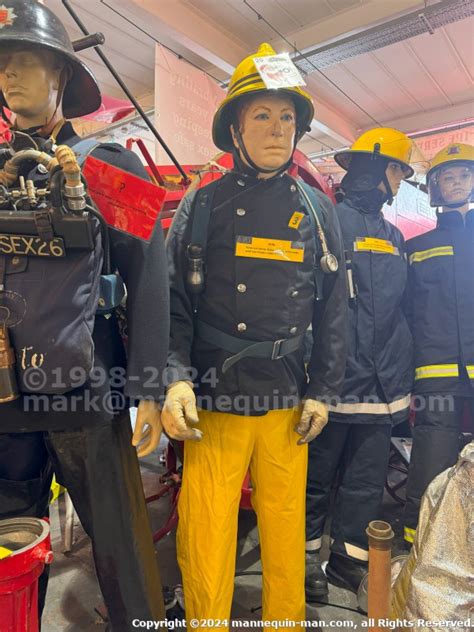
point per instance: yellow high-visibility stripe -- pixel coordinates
(470, 370)
(409, 534)
(422, 255)
(436, 370)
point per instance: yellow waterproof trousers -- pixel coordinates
(213, 473)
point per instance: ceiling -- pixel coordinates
(372, 62)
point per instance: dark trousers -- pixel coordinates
(436, 445)
(361, 452)
(99, 468)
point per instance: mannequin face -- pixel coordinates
(455, 184)
(268, 125)
(395, 174)
(29, 79)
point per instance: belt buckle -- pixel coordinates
(276, 349)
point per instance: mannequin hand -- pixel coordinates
(147, 440)
(179, 408)
(313, 419)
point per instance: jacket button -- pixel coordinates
(240, 212)
(293, 188)
(293, 330)
(15, 261)
(242, 287)
(241, 183)
(294, 293)
(241, 327)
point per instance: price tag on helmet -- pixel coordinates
(278, 71)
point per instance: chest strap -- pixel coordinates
(203, 204)
(272, 350)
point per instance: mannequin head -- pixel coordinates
(455, 184)
(377, 161)
(246, 84)
(450, 178)
(394, 174)
(267, 126)
(32, 80)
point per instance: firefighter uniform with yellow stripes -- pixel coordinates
(441, 315)
(377, 384)
(243, 338)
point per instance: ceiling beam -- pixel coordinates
(190, 29)
(350, 22)
(433, 118)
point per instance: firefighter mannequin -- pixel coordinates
(249, 386)
(376, 393)
(441, 308)
(87, 446)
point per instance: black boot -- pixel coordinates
(346, 572)
(316, 583)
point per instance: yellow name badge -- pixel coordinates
(372, 244)
(276, 249)
(295, 219)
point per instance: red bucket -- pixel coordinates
(25, 548)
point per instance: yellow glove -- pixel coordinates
(179, 408)
(148, 414)
(313, 419)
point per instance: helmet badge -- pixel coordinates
(7, 16)
(454, 149)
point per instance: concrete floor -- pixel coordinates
(73, 591)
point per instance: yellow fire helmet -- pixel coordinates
(454, 155)
(247, 80)
(382, 141)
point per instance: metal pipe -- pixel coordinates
(380, 536)
(10, 170)
(96, 39)
(117, 78)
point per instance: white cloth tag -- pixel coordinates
(278, 71)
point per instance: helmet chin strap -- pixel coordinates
(51, 127)
(255, 167)
(376, 156)
(388, 189)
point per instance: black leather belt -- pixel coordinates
(271, 349)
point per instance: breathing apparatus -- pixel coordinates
(46, 214)
(47, 221)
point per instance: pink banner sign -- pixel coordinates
(185, 101)
(430, 145)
